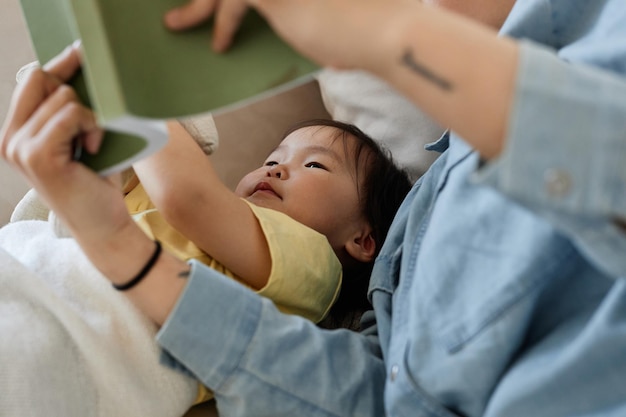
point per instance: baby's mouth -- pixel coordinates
(265, 187)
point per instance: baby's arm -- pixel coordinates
(185, 188)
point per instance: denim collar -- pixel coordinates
(441, 144)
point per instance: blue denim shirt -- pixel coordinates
(501, 288)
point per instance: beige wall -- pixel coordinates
(15, 51)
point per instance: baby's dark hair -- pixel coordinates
(382, 189)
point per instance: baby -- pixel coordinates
(303, 229)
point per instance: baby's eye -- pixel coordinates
(270, 163)
(315, 165)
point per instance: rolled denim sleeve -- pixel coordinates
(241, 347)
(565, 151)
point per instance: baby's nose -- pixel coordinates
(277, 171)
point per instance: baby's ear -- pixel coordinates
(362, 246)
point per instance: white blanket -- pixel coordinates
(70, 345)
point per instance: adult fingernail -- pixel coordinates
(172, 17)
(220, 45)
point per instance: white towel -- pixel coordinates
(70, 345)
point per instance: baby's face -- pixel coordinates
(311, 177)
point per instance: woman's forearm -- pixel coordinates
(124, 254)
(457, 71)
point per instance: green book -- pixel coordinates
(136, 74)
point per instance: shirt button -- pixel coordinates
(558, 182)
(394, 372)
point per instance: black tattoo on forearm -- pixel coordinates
(409, 60)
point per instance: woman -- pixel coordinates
(500, 289)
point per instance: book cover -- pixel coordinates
(136, 73)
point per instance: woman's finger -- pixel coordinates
(64, 65)
(59, 98)
(228, 18)
(27, 97)
(189, 15)
(52, 147)
(71, 121)
(35, 89)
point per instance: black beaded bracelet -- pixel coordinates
(144, 271)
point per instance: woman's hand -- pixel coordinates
(457, 70)
(44, 121)
(336, 33)
(228, 16)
